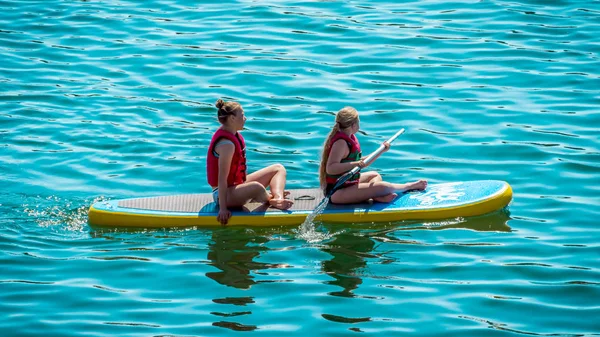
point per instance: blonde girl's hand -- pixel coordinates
(223, 216)
(386, 146)
(361, 164)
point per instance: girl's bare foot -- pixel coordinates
(285, 194)
(281, 203)
(386, 198)
(417, 185)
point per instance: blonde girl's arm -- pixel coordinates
(386, 146)
(339, 151)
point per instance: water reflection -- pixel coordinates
(491, 222)
(230, 252)
(352, 249)
(348, 251)
(236, 301)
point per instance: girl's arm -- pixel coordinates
(386, 146)
(225, 152)
(339, 151)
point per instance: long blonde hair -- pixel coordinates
(345, 118)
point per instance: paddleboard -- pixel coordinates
(438, 201)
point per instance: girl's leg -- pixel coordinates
(373, 177)
(370, 177)
(365, 191)
(239, 195)
(273, 177)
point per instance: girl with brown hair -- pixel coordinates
(226, 167)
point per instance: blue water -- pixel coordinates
(115, 99)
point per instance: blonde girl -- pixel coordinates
(342, 153)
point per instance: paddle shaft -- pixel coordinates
(368, 160)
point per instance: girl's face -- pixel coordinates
(356, 126)
(238, 120)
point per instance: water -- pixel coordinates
(114, 99)
(309, 231)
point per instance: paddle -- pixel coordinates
(368, 159)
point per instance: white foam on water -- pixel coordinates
(59, 213)
(447, 222)
(307, 231)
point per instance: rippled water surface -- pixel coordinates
(114, 99)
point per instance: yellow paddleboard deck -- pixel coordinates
(438, 201)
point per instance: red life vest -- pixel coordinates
(237, 170)
(354, 155)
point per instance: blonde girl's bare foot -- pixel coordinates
(386, 198)
(281, 203)
(417, 185)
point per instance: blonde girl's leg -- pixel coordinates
(379, 191)
(360, 192)
(370, 176)
(418, 185)
(373, 177)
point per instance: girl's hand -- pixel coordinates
(223, 217)
(361, 164)
(386, 146)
